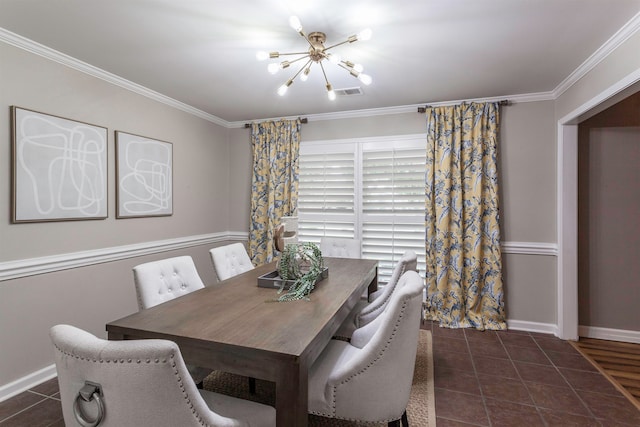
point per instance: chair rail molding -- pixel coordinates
(530, 248)
(48, 264)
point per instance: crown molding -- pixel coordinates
(621, 36)
(628, 30)
(66, 60)
(403, 109)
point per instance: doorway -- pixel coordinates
(608, 230)
(567, 193)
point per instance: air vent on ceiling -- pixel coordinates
(350, 91)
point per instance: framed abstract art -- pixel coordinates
(59, 168)
(144, 176)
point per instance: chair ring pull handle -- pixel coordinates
(87, 393)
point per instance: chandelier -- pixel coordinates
(316, 54)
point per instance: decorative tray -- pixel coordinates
(272, 280)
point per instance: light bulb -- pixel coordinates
(305, 75)
(283, 89)
(365, 34)
(330, 93)
(334, 58)
(365, 78)
(262, 55)
(358, 67)
(273, 67)
(295, 23)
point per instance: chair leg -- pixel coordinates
(405, 420)
(252, 385)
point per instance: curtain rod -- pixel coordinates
(303, 120)
(504, 102)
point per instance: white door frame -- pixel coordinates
(567, 209)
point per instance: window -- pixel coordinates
(372, 190)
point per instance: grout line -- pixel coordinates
(566, 381)
(44, 395)
(24, 409)
(475, 372)
(535, 404)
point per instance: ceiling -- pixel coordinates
(202, 53)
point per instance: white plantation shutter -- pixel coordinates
(392, 204)
(326, 194)
(373, 191)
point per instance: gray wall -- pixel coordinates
(609, 231)
(89, 297)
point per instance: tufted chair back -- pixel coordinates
(369, 379)
(142, 383)
(160, 281)
(340, 247)
(230, 260)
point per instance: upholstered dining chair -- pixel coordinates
(365, 312)
(340, 247)
(230, 260)
(163, 280)
(369, 379)
(139, 383)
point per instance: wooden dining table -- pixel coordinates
(236, 326)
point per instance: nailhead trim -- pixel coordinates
(382, 351)
(172, 362)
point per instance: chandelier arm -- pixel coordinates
(300, 70)
(293, 53)
(323, 73)
(351, 71)
(304, 36)
(337, 44)
(298, 59)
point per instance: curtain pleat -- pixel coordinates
(464, 266)
(274, 185)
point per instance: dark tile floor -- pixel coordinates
(513, 378)
(486, 378)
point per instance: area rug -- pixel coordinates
(420, 411)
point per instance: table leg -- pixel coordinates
(373, 286)
(291, 396)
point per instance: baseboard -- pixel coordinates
(7, 391)
(523, 325)
(609, 334)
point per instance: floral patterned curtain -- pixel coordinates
(464, 266)
(274, 186)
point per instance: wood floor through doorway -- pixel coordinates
(619, 361)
